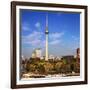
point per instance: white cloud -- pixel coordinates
(33, 39)
(37, 25)
(54, 42)
(75, 38)
(25, 26)
(36, 39)
(56, 35)
(55, 38)
(34, 34)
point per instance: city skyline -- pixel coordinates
(64, 32)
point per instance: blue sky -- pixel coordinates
(64, 32)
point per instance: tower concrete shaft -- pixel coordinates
(46, 32)
(46, 56)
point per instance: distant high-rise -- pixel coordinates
(36, 53)
(78, 55)
(46, 33)
(78, 52)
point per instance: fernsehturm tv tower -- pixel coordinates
(46, 33)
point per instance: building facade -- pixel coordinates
(36, 53)
(78, 55)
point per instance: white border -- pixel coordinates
(49, 80)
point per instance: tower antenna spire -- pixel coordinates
(47, 20)
(46, 31)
